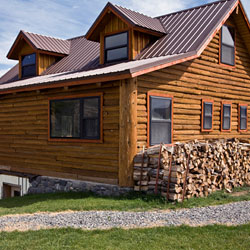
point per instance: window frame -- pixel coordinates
(239, 117)
(222, 115)
(220, 48)
(202, 115)
(115, 47)
(149, 115)
(21, 66)
(61, 98)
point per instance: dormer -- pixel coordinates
(123, 33)
(36, 53)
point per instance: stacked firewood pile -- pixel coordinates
(192, 169)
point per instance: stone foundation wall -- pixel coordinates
(44, 184)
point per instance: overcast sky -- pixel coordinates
(70, 18)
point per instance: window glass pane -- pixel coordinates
(116, 40)
(226, 123)
(243, 111)
(29, 59)
(227, 55)
(226, 110)
(117, 54)
(160, 132)
(160, 109)
(91, 107)
(65, 118)
(228, 36)
(208, 108)
(207, 124)
(91, 128)
(29, 70)
(243, 123)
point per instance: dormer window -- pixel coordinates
(29, 65)
(116, 47)
(227, 50)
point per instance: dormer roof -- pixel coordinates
(131, 18)
(38, 42)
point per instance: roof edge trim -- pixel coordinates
(19, 36)
(209, 38)
(164, 63)
(65, 83)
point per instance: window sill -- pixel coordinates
(74, 140)
(226, 130)
(206, 130)
(228, 66)
(242, 131)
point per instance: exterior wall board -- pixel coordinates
(24, 144)
(189, 83)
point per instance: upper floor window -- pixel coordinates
(160, 119)
(116, 47)
(29, 65)
(78, 118)
(227, 50)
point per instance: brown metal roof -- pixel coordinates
(188, 33)
(84, 55)
(131, 17)
(40, 42)
(47, 43)
(188, 30)
(141, 20)
(11, 75)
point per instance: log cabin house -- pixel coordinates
(82, 108)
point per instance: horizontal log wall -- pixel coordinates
(24, 145)
(192, 81)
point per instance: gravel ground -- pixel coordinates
(230, 214)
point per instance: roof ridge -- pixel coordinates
(119, 6)
(77, 37)
(43, 35)
(193, 8)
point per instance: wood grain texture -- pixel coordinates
(24, 136)
(128, 131)
(44, 61)
(192, 81)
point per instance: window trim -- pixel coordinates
(104, 46)
(21, 67)
(74, 139)
(202, 115)
(239, 118)
(226, 103)
(220, 48)
(149, 94)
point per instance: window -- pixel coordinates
(29, 65)
(160, 119)
(227, 55)
(76, 118)
(226, 114)
(116, 47)
(207, 115)
(242, 117)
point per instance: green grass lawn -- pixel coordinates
(86, 201)
(209, 237)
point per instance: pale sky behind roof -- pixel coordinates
(70, 18)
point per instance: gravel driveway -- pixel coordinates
(230, 214)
